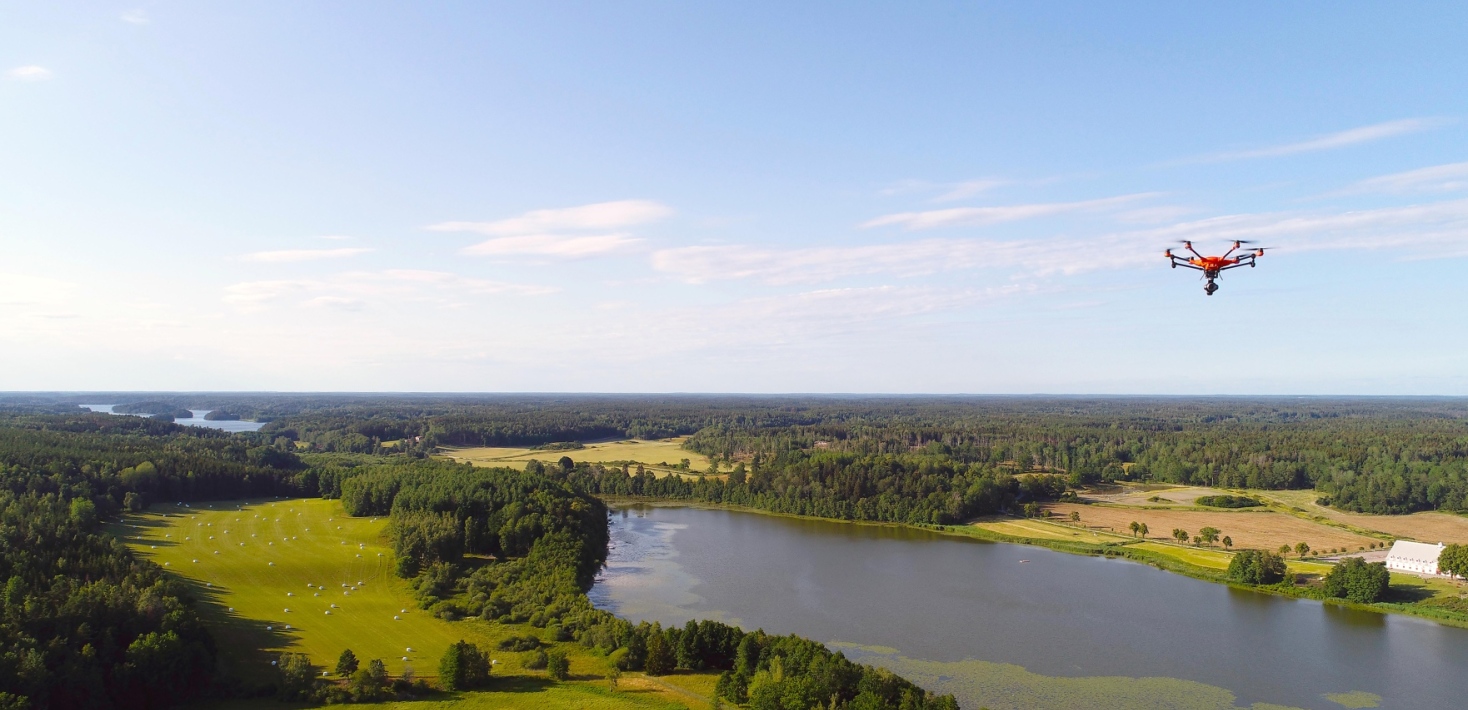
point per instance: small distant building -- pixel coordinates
(1415, 557)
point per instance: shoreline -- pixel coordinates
(1161, 561)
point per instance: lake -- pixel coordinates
(1011, 626)
(198, 420)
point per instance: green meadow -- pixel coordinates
(301, 576)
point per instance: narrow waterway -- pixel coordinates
(1010, 626)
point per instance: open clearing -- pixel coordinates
(1248, 528)
(660, 455)
(267, 572)
(1423, 527)
(1167, 496)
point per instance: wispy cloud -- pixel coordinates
(561, 232)
(359, 290)
(817, 264)
(1438, 178)
(969, 188)
(981, 216)
(136, 17)
(948, 191)
(599, 216)
(1341, 139)
(30, 72)
(1438, 230)
(552, 245)
(334, 237)
(290, 255)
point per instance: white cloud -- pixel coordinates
(980, 216)
(29, 73)
(136, 17)
(1340, 139)
(1438, 178)
(289, 255)
(334, 237)
(599, 216)
(552, 245)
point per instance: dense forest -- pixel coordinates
(1378, 455)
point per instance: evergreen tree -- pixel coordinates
(346, 664)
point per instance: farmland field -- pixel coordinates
(268, 572)
(660, 455)
(1423, 527)
(1248, 527)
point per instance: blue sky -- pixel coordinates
(751, 197)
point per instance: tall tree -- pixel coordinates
(346, 664)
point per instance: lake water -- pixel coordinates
(198, 419)
(1011, 626)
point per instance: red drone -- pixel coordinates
(1212, 265)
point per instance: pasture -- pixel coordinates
(301, 576)
(660, 455)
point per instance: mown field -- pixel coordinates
(1023, 527)
(661, 456)
(268, 572)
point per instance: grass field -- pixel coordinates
(1201, 556)
(660, 455)
(269, 571)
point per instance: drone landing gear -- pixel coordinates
(1210, 288)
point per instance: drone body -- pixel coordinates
(1212, 266)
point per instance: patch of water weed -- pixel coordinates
(1355, 699)
(1003, 686)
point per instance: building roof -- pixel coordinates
(1419, 552)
